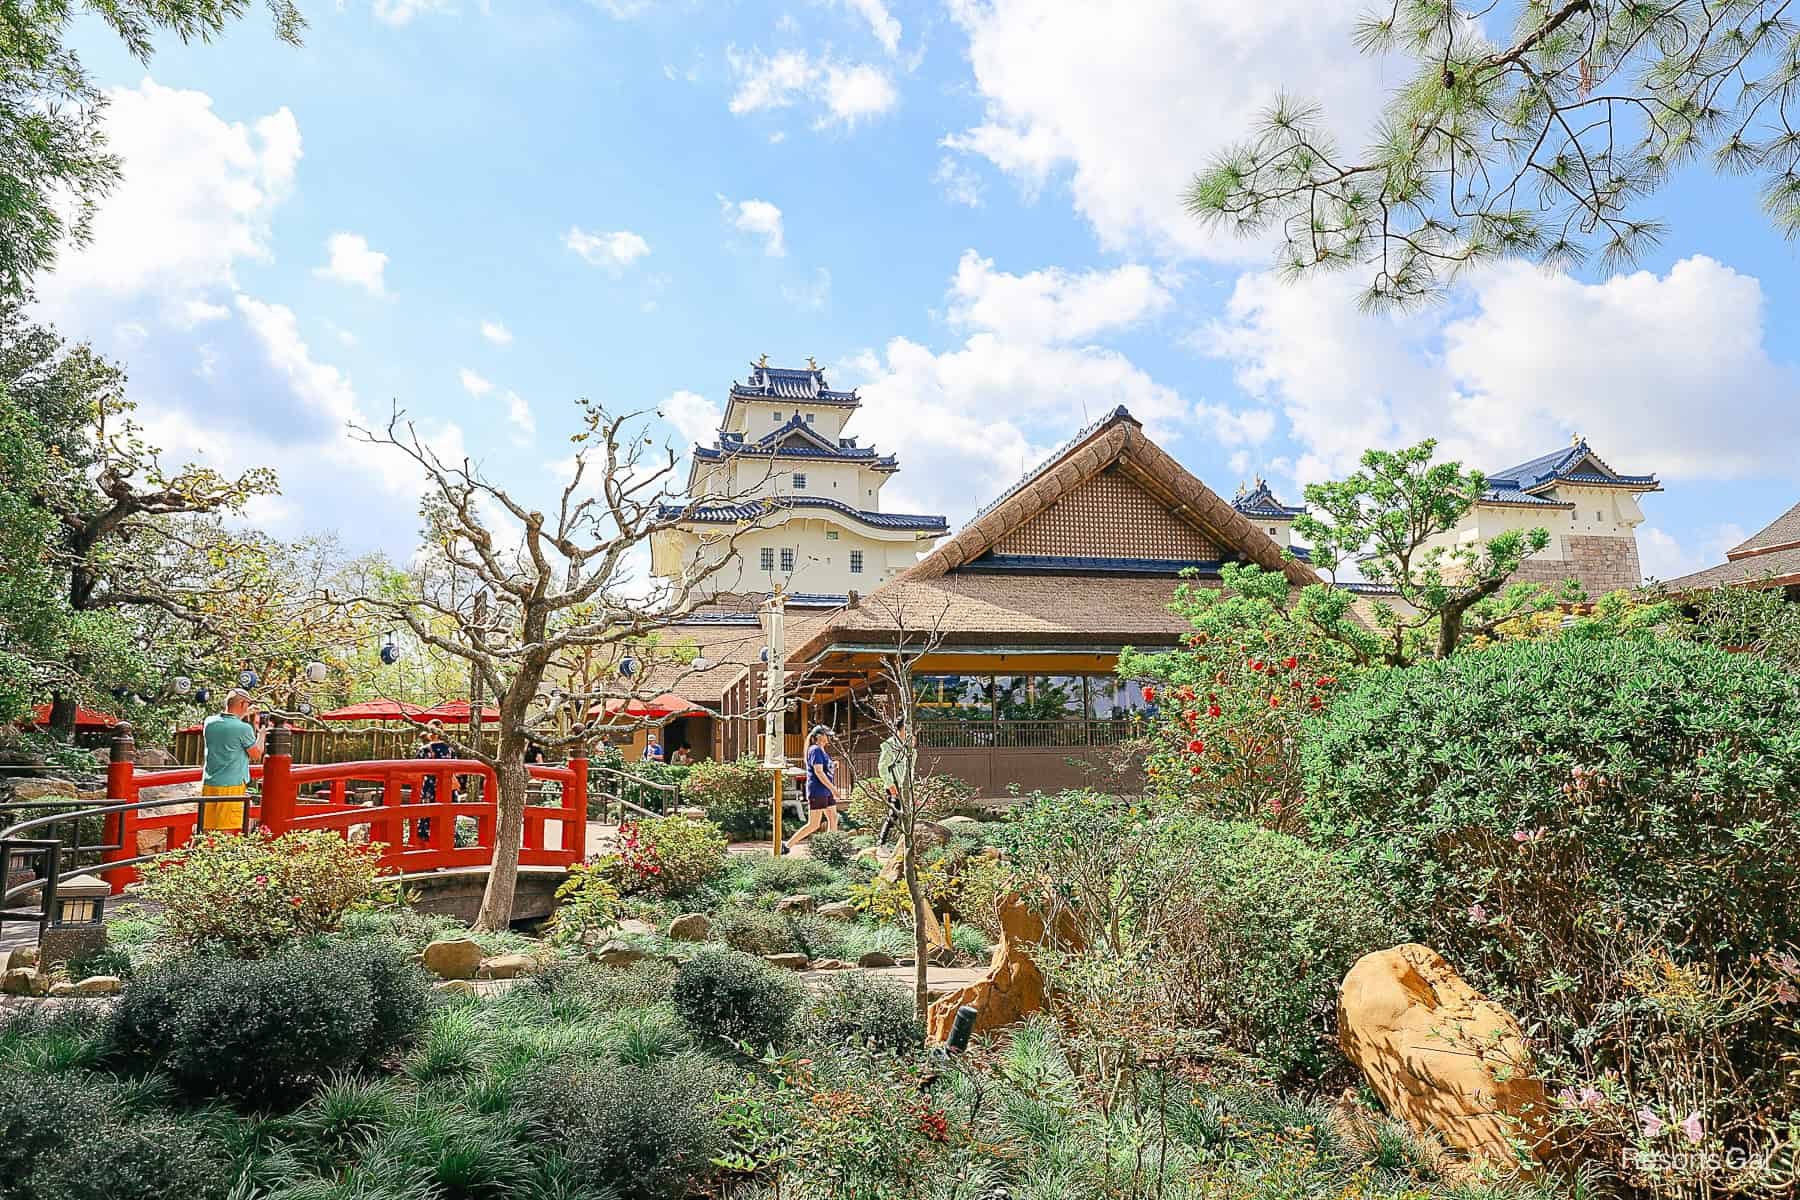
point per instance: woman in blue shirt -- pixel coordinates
(822, 791)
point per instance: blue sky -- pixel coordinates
(970, 211)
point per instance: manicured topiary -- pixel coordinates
(855, 1009)
(733, 996)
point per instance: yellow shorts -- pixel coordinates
(222, 818)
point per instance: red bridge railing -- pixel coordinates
(383, 798)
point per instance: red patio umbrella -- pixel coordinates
(669, 704)
(375, 710)
(85, 718)
(456, 712)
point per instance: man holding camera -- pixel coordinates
(233, 740)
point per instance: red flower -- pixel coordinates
(1274, 701)
(1149, 695)
(1317, 701)
(1326, 681)
(1290, 662)
(1256, 664)
(1196, 747)
(1213, 710)
(1194, 770)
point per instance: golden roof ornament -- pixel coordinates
(810, 364)
(1575, 439)
(763, 361)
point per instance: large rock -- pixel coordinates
(1013, 987)
(455, 987)
(22, 981)
(619, 954)
(100, 985)
(22, 957)
(877, 958)
(790, 962)
(690, 927)
(796, 905)
(506, 966)
(155, 756)
(1442, 1057)
(27, 791)
(842, 910)
(456, 958)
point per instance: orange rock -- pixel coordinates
(1442, 1057)
(1013, 987)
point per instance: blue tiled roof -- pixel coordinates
(815, 445)
(747, 616)
(725, 514)
(1063, 564)
(1260, 501)
(1512, 485)
(790, 383)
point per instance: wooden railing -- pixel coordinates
(1075, 732)
(391, 813)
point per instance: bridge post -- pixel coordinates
(574, 821)
(279, 794)
(121, 788)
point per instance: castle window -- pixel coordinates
(800, 481)
(1599, 517)
(856, 562)
(787, 560)
(831, 535)
(778, 416)
(809, 418)
(768, 558)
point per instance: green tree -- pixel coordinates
(52, 146)
(1541, 144)
(1394, 516)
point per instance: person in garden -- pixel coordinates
(899, 756)
(233, 740)
(534, 754)
(822, 793)
(653, 751)
(435, 745)
(682, 757)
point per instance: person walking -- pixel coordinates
(898, 758)
(822, 792)
(233, 739)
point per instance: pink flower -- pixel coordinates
(1591, 1099)
(261, 881)
(1786, 993)
(1566, 1098)
(1693, 1129)
(1478, 914)
(1787, 964)
(1653, 1124)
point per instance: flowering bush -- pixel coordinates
(669, 856)
(249, 895)
(1232, 705)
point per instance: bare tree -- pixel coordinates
(892, 702)
(558, 585)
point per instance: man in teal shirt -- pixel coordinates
(234, 740)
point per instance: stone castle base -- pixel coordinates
(1599, 564)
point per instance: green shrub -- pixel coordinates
(644, 1132)
(731, 995)
(669, 856)
(789, 876)
(53, 1038)
(834, 848)
(586, 902)
(1261, 928)
(1590, 830)
(249, 895)
(268, 1028)
(855, 1009)
(753, 930)
(735, 795)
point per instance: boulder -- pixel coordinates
(22, 981)
(22, 957)
(619, 954)
(25, 791)
(796, 905)
(831, 964)
(455, 987)
(691, 812)
(877, 958)
(456, 958)
(506, 966)
(949, 822)
(1442, 1057)
(100, 985)
(155, 756)
(637, 928)
(690, 927)
(842, 910)
(790, 962)
(1013, 987)
(929, 835)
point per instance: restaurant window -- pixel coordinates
(1040, 697)
(1114, 699)
(953, 697)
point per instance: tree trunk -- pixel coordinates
(921, 945)
(509, 838)
(61, 725)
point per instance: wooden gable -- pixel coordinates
(1111, 515)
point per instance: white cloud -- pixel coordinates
(496, 333)
(612, 252)
(694, 417)
(198, 312)
(1237, 427)
(474, 384)
(519, 413)
(1127, 109)
(196, 199)
(758, 217)
(1668, 373)
(960, 184)
(354, 262)
(882, 23)
(812, 295)
(1052, 305)
(848, 93)
(401, 12)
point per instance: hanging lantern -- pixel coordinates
(700, 662)
(306, 710)
(183, 685)
(315, 671)
(390, 653)
(628, 667)
(202, 695)
(764, 656)
(119, 693)
(247, 679)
